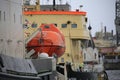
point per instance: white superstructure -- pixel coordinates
(11, 30)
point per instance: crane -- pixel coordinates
(117, 21)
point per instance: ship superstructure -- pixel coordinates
(11, 30)
(79, 50)
(72, 25)
(43, 67)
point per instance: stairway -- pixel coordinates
(29, 33)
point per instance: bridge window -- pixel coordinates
(64, 25)
(34, 25)
(55, 24)
(74, 25)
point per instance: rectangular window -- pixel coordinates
(118, 56)
(64, 25)
(62, 60)
(4, 16)
(84, 26)
(34, 25)
(14, 18)
(21, 19)
(55, 24)
(74, 25)
(0, 15)
(86, 19)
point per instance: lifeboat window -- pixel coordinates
(64, 25)
(74, 25)
(47, 26)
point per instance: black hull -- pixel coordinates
(81, 75)
(77, 75)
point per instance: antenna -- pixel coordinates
(81, 7)
(37, 2)
(101, 34)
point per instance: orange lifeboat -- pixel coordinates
(49, 40)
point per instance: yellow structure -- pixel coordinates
(28, 7)
(72, 24)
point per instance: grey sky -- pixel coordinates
(98, 11)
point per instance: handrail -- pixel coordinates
(32, 35)
(12, 76)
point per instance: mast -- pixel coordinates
(117, 21)
(38, 5)
(54, 5)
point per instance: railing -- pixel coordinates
(30, 33)
(7, 76)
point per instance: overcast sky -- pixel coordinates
(98, 12)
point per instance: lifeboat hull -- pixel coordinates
(49, 40)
